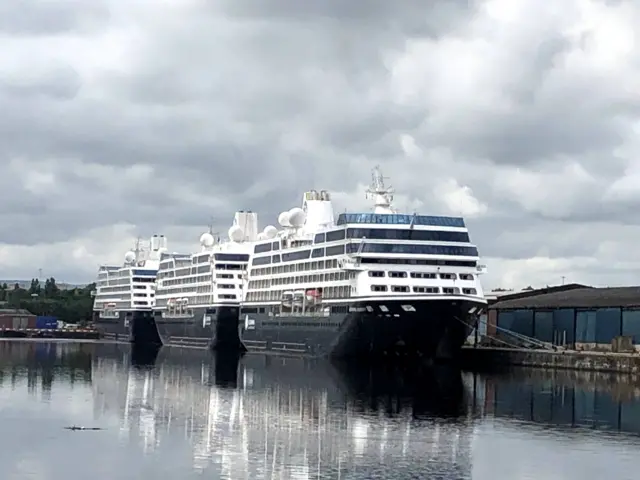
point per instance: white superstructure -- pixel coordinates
(130, 286)
(315, 261)
(213, 276)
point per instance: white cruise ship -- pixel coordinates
(198, 295)
(369, 283)
(126, 292)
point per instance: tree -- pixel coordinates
(50, 288)
(35, 289)
(72, 306)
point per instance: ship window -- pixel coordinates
(448, 276)
(261, 260)
(276, 245)
(275, 258)
(262, 247)
(337, 250)
(398, 274)
(378, 288)
(288, 257)
(412, 249)
(230, 257)
(336, 235)
(418, 261)
(466, 276)
(422, 275)
(319, 238)
(376, 273)
(408, 234)
(449, 290)
(399, 219)
(399, 288)
(469, 291)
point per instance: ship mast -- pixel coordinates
(380, 193)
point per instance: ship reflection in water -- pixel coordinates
(180, 413)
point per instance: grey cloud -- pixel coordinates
(246, 104)
(41, 18)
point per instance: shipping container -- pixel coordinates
(46, 323)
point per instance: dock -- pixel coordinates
(68, 333)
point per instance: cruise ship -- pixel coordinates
(125, 294)
(198, 295)
(368, 284)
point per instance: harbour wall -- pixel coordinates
(495, 357)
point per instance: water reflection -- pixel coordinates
(180, 413)
(291, 418)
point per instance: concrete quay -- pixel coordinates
(595, 361)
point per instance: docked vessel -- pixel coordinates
(380, 283)
(198, 295)
(125, 294)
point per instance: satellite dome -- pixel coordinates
(129, 257)
(296, 217)
(270, 231)
(206, 239)
(283, 219)
(236, 234)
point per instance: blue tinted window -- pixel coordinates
(319, 238)
(337, 250)
(631, 325)
(408, 234)
(608, 324)
(317, 252)
(145, 272)
(586, 326)
(413, 249)
(276, 245)
(275, 258)
(262, 247)
(336, 235)
(261, 260)
(544, 326)
(396, 219)
(232, 257)
(289, 257)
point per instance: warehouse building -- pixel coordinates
(579, 317)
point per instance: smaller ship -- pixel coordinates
(198, 295)
(125, 294)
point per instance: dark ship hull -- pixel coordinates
(135, 326)
(432, 329)
(208, 327)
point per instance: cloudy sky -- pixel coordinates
(121, 118)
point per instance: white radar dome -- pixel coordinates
(129, 257)
(270, 231)
(296, 217)
(236, 234)
(206, 239)
(283, 219)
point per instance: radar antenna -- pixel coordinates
(380, 193)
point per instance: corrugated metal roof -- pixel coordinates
(578, 298)
(14, 311)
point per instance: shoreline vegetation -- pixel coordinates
(73, 305)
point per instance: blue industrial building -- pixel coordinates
(577, 316)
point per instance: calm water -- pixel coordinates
(185, 415)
